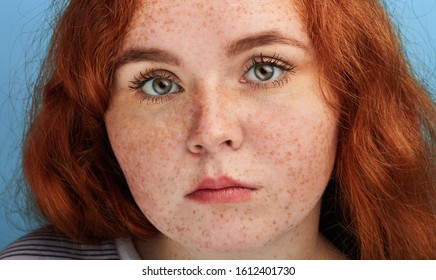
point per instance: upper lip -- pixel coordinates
(215, 183)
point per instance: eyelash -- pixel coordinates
(275, 61)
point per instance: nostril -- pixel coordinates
(198, 148)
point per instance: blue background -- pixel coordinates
(22, 47)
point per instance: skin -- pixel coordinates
(278, 136)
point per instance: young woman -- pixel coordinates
(229, 129)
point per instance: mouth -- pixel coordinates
(221, 190)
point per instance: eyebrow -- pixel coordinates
(234, 48)
(147, 54)
(261, 39)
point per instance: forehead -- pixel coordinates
(209, 23)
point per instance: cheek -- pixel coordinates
(146, 153)
(298, 147)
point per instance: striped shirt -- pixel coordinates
(43, 245)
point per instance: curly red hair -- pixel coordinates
(381, 201)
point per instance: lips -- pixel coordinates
(221, 190)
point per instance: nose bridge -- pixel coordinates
(210, 107)
(215, 124)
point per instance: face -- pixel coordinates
(218, 122)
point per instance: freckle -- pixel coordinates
(180, 229)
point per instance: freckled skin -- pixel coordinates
(281, 140)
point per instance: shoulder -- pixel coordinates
(42, 244)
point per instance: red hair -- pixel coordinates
(384, 180)
(385, 163)
(68, 162)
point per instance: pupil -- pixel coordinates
(162, 86)
(264, 72)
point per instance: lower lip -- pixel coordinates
(224, 195)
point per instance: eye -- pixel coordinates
(263, 72)
(267, 71)
(160, 86)
(155, 83)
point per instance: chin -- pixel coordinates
(229, 243)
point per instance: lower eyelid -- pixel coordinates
(282, 80)
(156, 99)
(151, 100)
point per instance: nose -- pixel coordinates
(215, 124)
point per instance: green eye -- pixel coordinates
(160, 86)
(263, 72)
